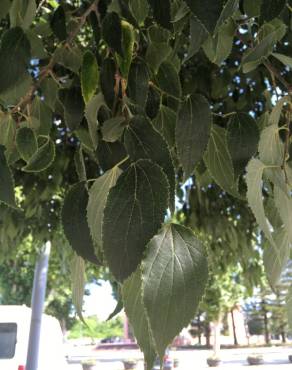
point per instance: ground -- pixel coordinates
(275, 358)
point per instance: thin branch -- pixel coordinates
(276, 74)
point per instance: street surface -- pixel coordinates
(275, 358)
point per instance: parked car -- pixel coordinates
(14, 334)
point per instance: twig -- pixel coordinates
(276, 74)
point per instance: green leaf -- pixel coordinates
(37, 47)
(271, 148)
(218, 47)
(135, 310)
(142, 141)
(112, 32)
(26, 143)
(14, 58)
(254, 177)
(22, 13)
(4, 9)
(113, 128)
(78, 283)
(162, 12)
(6, 181)
(208, 14)
(284, 207)
(98, 195)
(89, 76)
(168, 80)
(289, 306)
(157, 52)
(192, 133)
(73, 104)
(134, 212)
(43, 114)
(91, 111)
(13, 94)
(165, 123)
(218, 161)
(138, 81)
(7, 130)
(42, 158)
(198, 35)
(270, 9)
(139, 9)
(175, 270)
(252, 8)
(110, 154)
(230, 7)
(254, 57)
(49, 89)
(276, 259)
(242, 138)
(69, 58)
(58, 23)
(277, 110)
(74, 222)
(80, 165)
(287, 61)
(128, 38)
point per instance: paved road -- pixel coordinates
(275, 358)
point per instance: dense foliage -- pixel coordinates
(109, 106)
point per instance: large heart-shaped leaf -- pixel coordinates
(6, 181)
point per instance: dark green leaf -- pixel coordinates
(270, 9)
(162, 12)
(134, 212)
(128, 38)
(229, 9)
(73, 104)
(117, 310)
(198, 35)
(89, 76)
(287, 61)
(78, 284)
(75, 224)
(14, 58)
(142, 141)
(135, 310)
(153, 102)
(58, 23)
(138, 83)
(192, 131)
(13, 94)
(156, 54)
(109, 154)
(69, 58)
(243, 139)
(252, 8)
(107, 81)
(43, 114)
(168, 80)
(165, 123)
(6, 181)
(91, 111)
(49, 89)
(80, 165)
(42, 158)
(175, 270)
(7, 130)
(112, 32)
(5, 6)
(26, 143)
(208, 14)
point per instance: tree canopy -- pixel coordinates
(108, 107)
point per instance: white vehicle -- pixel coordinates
(14, 334)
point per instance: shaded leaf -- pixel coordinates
(287, 61)
(73, 104)
(4, 9)
(74, 222)
(165, 123)
(175, 270)
(138, 83)
(69, 58)
(162, 12)
(107, 81)
(42, 158)
(192, 131)
(242, 138)
(113, 128)
(91, 111)
(58, 23)
(198, 35)
(134, 212)
(270, 9)
(6, 181)
(112, 32)
(22, 13)
(43, 115)
(14, 58)
(128, 39)
(26, 143)
(142, 141)
(7, 130)
(109, 154)
(80, 165)
(139, 9)
(168, 80)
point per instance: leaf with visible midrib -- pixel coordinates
(75, 224)
(192, 131)
(98, 194)
(218, 161)
(254, 177)
(42, 158)
(275, 260)
(6, 181)
(174, 276)
(134, 212)
(26, 143)
(78, 283)
(89, 76)
(135, 310)
(142, 141)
